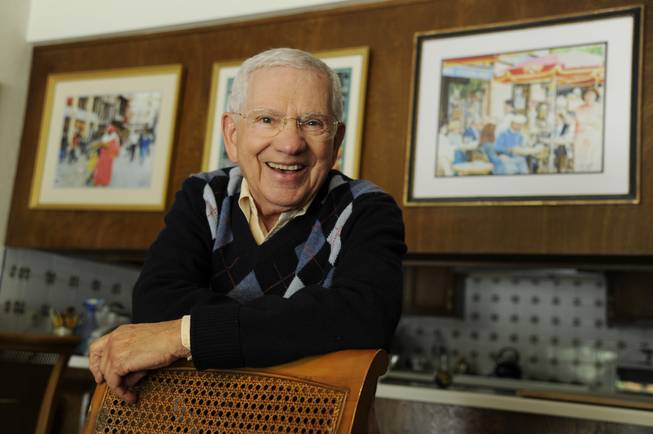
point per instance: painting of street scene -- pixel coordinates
(108, 141)
(532, 112)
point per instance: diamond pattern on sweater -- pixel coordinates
(361, 187)
(294, 286)
(334, 238)
(329, 278)
(247, 289)
(211, 209)
(312, 245)
(235, 179)
(336, 181)
(224, 234)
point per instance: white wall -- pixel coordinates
(15, 59)
(58, 20)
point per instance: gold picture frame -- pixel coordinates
(499, 77)
(351, 66)
(106, 139)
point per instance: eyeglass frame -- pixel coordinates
(298, 122)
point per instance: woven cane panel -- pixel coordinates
(188, 401)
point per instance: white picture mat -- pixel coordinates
(356, 65)
(225, 73)
(617, 32)
(166, 85)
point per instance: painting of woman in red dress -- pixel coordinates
(109, 149)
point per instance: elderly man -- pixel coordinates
(275, 259)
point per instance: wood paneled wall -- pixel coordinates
(388, 29)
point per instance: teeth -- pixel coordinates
(290, 167)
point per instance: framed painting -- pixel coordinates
(528, 113)
(106, 138)
(351, 67)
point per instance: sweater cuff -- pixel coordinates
(215, 336)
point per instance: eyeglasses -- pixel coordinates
(268, 123)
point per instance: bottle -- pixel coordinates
(443, 374)
(439, 350)
(89, 323)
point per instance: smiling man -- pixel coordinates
(277, 258)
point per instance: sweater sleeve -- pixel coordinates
(360, 309)
(176, 273)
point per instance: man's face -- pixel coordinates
(286, 170)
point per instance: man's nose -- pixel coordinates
(290, 139)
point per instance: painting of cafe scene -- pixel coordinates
(535, 112)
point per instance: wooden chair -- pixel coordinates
(63, 346)
(332, 393)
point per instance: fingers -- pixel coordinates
(132, 379)
(130, 396)
(117, 382)
(123, 357)
(95, 353)
(94, 365)
(104, 368)
(125, 394)
(123, 385)
(127, 390)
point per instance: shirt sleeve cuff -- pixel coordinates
(185, 331)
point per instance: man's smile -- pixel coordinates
(285, 168)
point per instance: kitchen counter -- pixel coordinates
(487, 399)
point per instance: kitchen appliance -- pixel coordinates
(507, 363)
(636, 377)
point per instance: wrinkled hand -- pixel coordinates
(122, 357)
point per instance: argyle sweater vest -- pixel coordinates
(304, 252)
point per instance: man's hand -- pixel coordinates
(123, 357)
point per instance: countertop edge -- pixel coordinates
(516, 403)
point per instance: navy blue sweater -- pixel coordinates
(328, 280)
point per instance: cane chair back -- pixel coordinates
(332, 393)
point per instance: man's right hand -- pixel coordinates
(123, 357)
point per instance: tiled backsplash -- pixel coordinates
(34, 281)
(556, 319)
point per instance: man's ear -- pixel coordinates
(337, 141)
(230, 134)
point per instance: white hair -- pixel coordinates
(283, 57)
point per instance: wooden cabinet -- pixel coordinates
(397, 416)
(77, 386)
(21, 394)
(630, 298)
(432, 290)
(388, 29)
